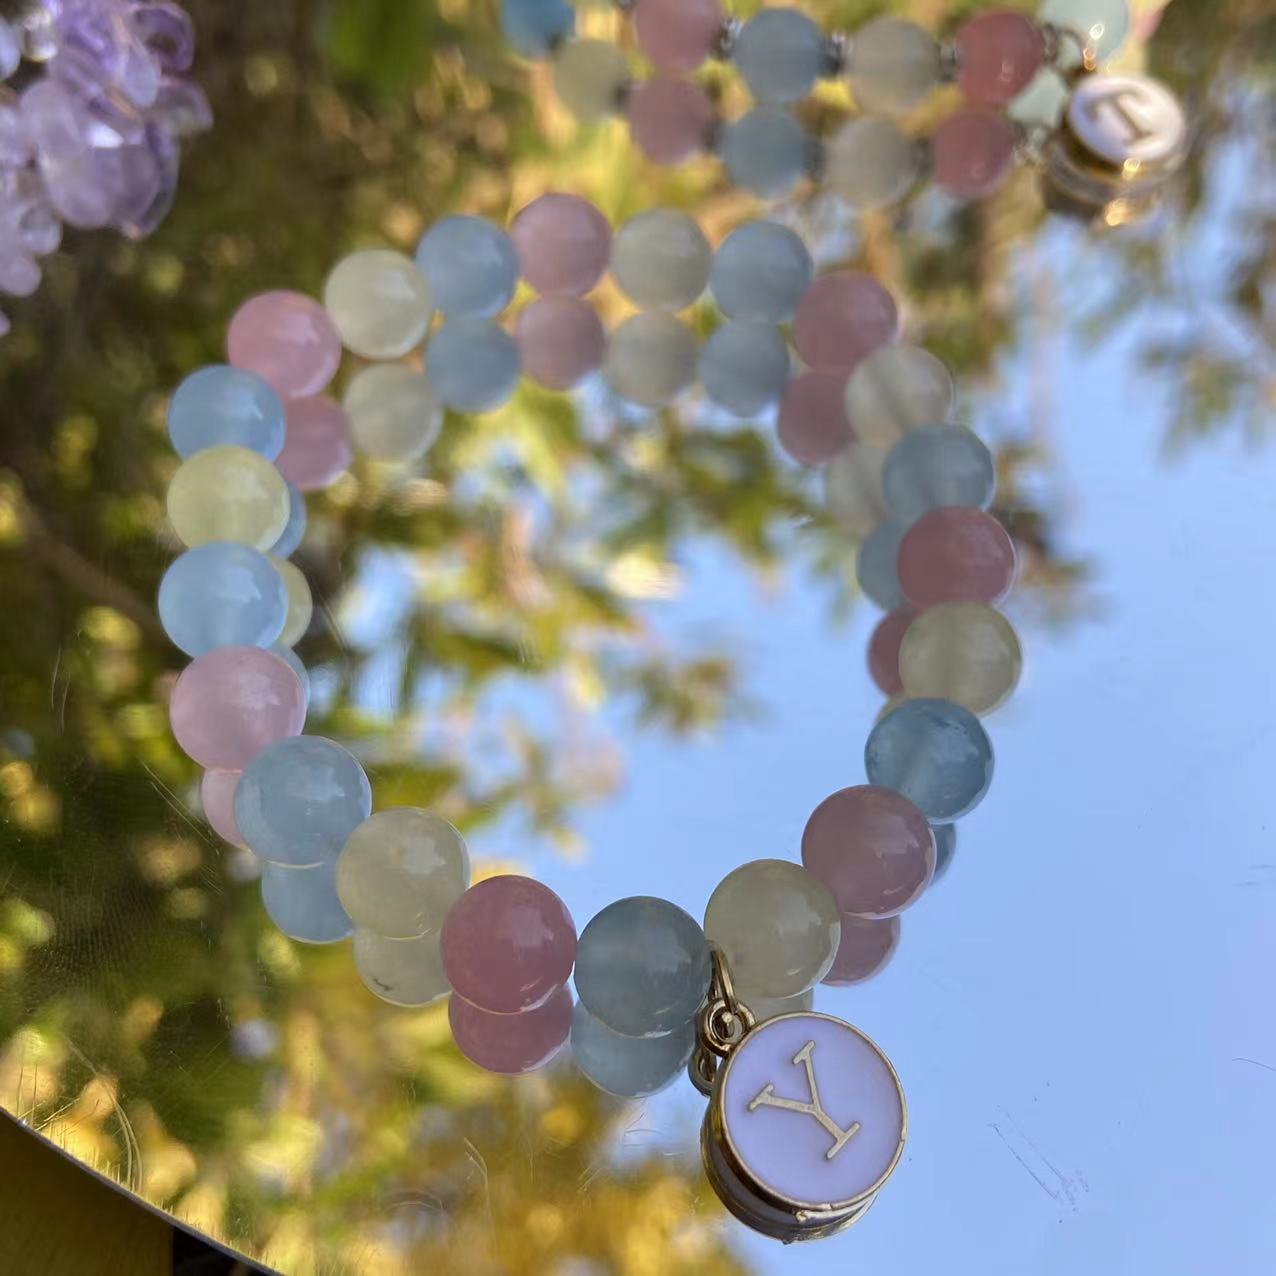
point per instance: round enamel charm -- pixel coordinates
(806, 1122)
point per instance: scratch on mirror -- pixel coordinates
(1055, 1184)
(58, 708)
(176, 803)
(1258, 1063)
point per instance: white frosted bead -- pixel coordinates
(379, 303)
(870, 163)
(590, 78)
(892, 65)
(853, 488)
(404, 972)
(897, 389)
(394, 413)
(300, 603)
(661, 259)
(651, 359)
(744, 367)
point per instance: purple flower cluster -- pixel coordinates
(94, 100)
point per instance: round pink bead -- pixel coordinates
(560, 341)
(972, 151)
(670, 119)
(813, 427)
(841, 318)
(317, 448)
(678, 35)
(288, 340)
(230, 703)
(508, 944)
(872, 848)
(883, 649)
(563, 244)
(512, 1044)
(956, 555)
(217, 797)
(998, 54)
(867, 944)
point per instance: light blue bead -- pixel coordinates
(220, 404)
(299, 800)
(781, 53)
(295, 663)
(472, 365)
(935, 753)
(945, 848)
(222, 595)
(744, 367)
(534, 27)
(642, 966)
(630, 1067)
(766, 152)
(470, 264)
(1104, 23)
(877, 566)
(937, 466)
(292, 535)
(760, 272)
(303, 903)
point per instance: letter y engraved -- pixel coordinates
(766, 1098)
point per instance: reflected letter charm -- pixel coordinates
(766, 1097)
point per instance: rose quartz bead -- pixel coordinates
(560, 341)
(678, 35)
(670, 119)
(217, 797)
(867, 944)
(317, 448)
(841, 318)
(883, 649)
(956, 555)
(563, 244)
(813, 427)
(512, 1044)
(508, 944)
(872, 848)
(232, 702)
(288, 340)
(998, 54)
(972, 151)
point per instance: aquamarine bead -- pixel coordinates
(744, 367)
(642, 966)
(877, 566)
(1104, 23)
(760, 272)
(295, 663)
(303, 903)
(299, 800)
(221, 404)
(935, 753)
(630, 1067)
(938, 465)
(470, 264)
(472, 365)
(535, 27)
(945, 849)
(766, 152)
(222, 595)
(781, 53)
(291, 537)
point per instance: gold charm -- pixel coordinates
(806, 1116)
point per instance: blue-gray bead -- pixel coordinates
(535, 27)
(937, 466)
(472, 365)
(935, 753)
(780, 53)
(470, 264)
(642, 966)
(630, 1067)
(945, 848)
(760, 272)
(766, 152)
(220, 404)
(744, 367)
(877, 565)
(295, 663)
(222, 595)
(291, 537)
(303, 903)
(299, 800)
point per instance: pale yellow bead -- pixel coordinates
(895, 390)
(651, 359)
(870, 163)
(228, 493)
(379, 302)
(892, 65)
(964, 652)
(765, 1008)
(590, 78)
(301, 605)
(853, 488)
(661, 259)
(393, 410)
(777, 926)
(404, 972)
(400, 872)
